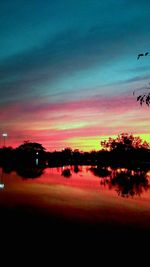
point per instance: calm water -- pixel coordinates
(82, 192)
(121, 181)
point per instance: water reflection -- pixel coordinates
(127, 183)
(66, 173)
(100, 171)
(30, 172)
(76, 169)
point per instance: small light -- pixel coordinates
(4, 134)
(37, 153)
(1, 186)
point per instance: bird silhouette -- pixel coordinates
(146, 53)
(141, 55)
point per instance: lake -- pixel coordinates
(84, 196)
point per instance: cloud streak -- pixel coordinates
(67, 70)
(58, 123)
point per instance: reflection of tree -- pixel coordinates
(76, 169)
(29, 172)
(100, 171)
(66, 173)
(128, 183)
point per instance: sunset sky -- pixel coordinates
(68, 69)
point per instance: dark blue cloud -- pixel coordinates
(78, 35)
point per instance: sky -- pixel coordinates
(68, 69)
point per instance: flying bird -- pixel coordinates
(141, 55)
(146, 53)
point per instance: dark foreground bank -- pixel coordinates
(28, 223)
(32, 235)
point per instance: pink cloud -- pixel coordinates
(99, 116)
(42, 108)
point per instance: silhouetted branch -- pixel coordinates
(143, 97)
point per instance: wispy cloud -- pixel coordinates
(61, 122)
(67, 69)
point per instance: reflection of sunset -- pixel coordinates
(80, 197)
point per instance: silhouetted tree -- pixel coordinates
(124, 142)
(31, 147)
(7, 157)
(67, 151)
(67, 155)
(29, 151)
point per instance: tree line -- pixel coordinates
(126, 149)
